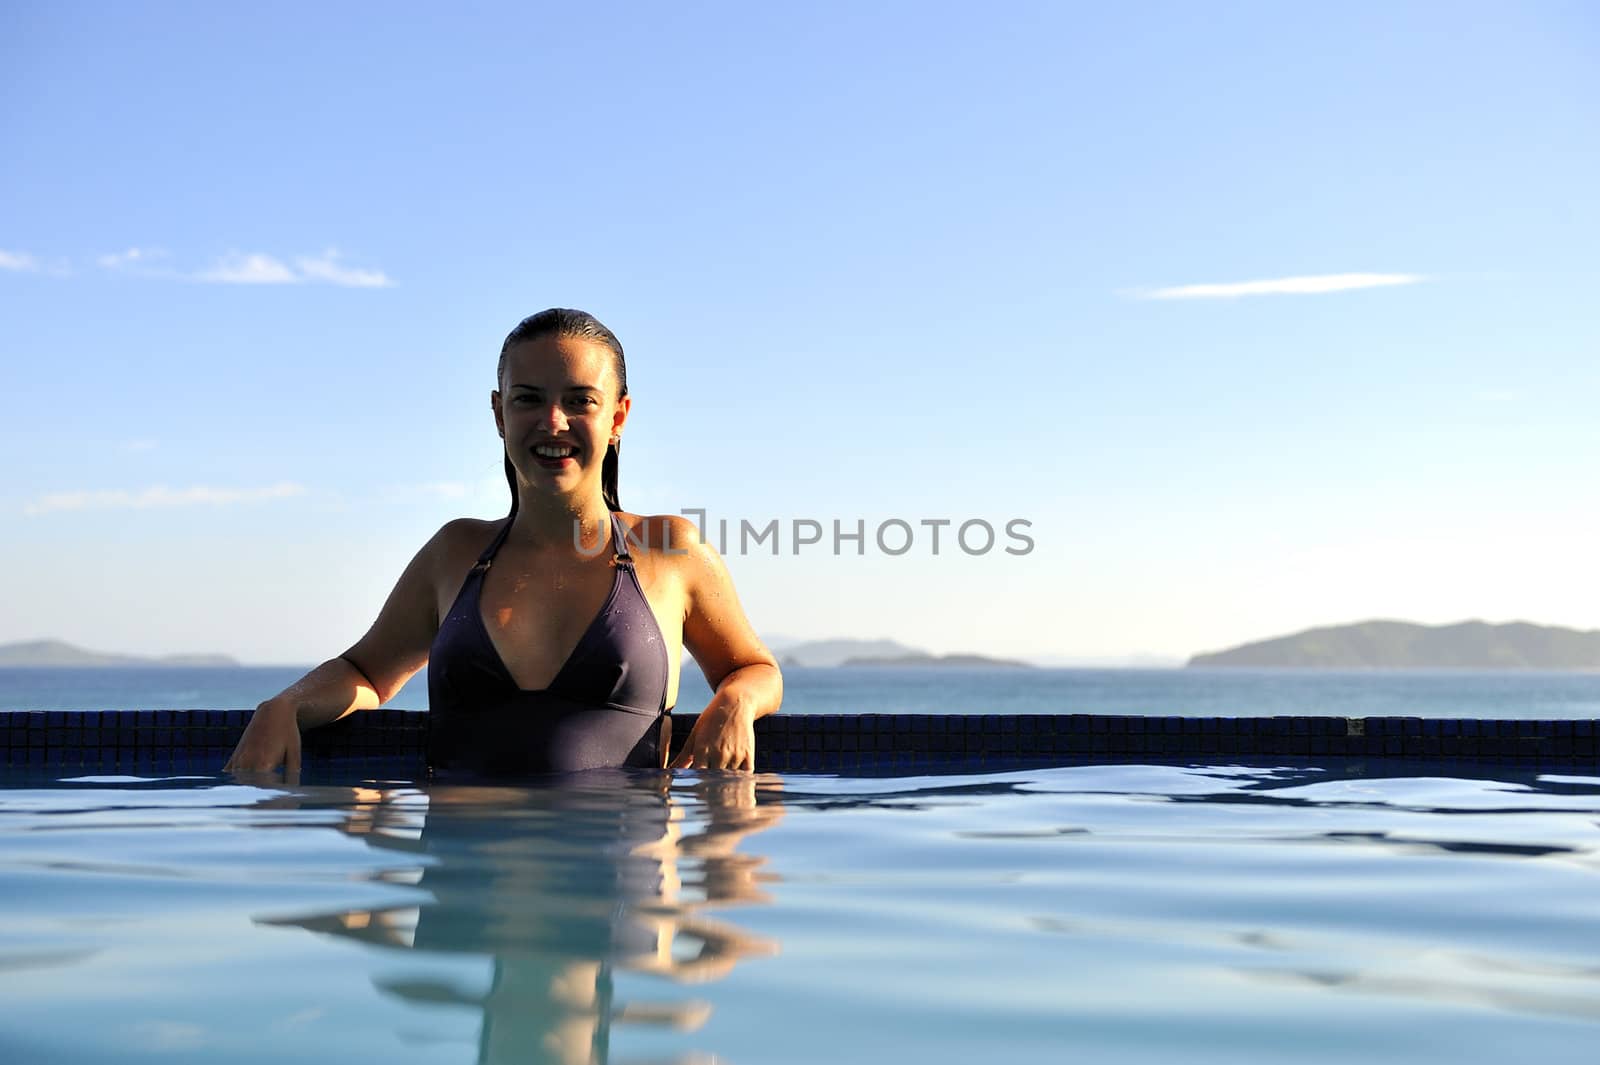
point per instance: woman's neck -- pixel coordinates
(562, 523)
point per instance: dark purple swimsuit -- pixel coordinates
(604, 707)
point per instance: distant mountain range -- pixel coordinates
(1404, 645)
(61, 653)
(836, 652)
(830, 653)
(920, 659)
(1367, 645)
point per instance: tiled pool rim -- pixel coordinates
(200, 740)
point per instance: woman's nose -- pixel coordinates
(554, 417)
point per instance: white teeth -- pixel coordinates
(553, 452)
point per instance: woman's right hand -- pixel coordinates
(271, 739)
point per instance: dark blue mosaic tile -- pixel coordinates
(201, 738)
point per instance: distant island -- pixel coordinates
(1405, 645)
(827, 653)
(830, 653)
(59, 653)
(920, 659)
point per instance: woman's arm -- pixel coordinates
(362, 678)
(272, 738)
(744, 677)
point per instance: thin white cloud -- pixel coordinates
(159, 496)
(260, 269)
(327, 268)
(254, 269)
(1311, 285)
(141, 260)
(235, 268)
(19, 261)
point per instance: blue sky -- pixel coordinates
(1264, 316)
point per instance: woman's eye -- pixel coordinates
(584, 402)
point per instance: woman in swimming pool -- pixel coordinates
(552, 637)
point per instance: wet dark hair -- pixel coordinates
(566, 322)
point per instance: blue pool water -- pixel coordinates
(1118, 913)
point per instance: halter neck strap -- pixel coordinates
(619, 542)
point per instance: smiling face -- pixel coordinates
(557, 409)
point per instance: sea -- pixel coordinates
(1506, 694)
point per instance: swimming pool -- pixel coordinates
(1288, 911)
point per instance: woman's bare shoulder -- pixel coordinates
(468, 528)
(662, 536)
(461, 539)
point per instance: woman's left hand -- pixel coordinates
(723, 737)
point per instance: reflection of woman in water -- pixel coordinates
(553, 636)
(562, 885)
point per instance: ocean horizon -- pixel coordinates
(1156, 692)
